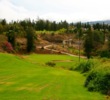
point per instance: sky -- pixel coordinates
(55, 10)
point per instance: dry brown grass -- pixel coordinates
(7, 83)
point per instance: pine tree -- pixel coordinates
(88, 44)
(30, 39)
(11, 35)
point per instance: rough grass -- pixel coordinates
(97, 73)
(27, 79)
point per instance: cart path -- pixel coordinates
(47, 48)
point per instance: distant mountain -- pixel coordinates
(101, 22)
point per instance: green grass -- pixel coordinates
(46, 32)
(28, 78)
(61, 61)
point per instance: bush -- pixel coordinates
(98, 81)
(71, 68)
(97, 76)
(89, 79)
(8, 47)
(105, 53)
(85, 66)
(52, 64)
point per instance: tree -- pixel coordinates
(30, 39)
(98, 38)
(3, 22)
(11, 36)
(109, 42)
(40, 25)
(88, 44)
(1, 28)
(53, 26)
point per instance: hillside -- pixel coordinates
(28, 78)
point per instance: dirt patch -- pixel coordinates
(6, 83)
(29, 87)
(25, 88)
(21, 88)
(6, 78)
(62, 60)
(42, 87)
(107, 97)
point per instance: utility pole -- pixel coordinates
(79, 33)
(79, 44)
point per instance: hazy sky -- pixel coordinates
(70, 10)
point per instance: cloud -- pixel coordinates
(70, 10)
(12, 12)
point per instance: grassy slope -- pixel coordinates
(24, 80)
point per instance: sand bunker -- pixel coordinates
(62, 60)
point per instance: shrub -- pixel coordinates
(105, 53)
(71, 68)
(98, 81)
(8, 47)
(89, 79)
(61, 31)
(85, 66)
(52, 64)
(52, 33)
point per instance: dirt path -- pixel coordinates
(47, 48)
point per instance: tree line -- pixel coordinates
(96, 37)
(40, 25)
